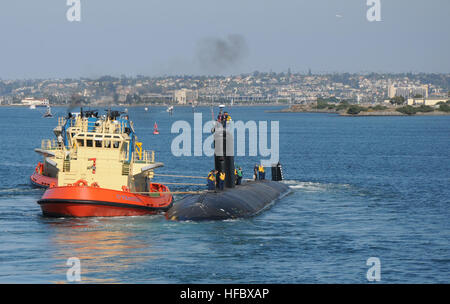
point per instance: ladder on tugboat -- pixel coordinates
(125, 168)
(66, 165)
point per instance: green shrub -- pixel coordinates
(397, 100)
(354, 110)
(342, 106)
(409, 110)
(321, 104)
(444, 107)
(424, 109)
(379, 108)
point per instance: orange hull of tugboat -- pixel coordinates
(84, 201)
(40, 180)
(43, 181)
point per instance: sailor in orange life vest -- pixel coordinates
(221, 180)
(212, 180)
(262, 174)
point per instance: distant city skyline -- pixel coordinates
(204, 37)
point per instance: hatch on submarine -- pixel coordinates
(241, 201)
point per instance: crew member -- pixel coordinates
(262, 174)
(226, 119)
(60, 140)
(220, 116)
(211, 180)
(239, 176)
(255, 172)
(221, 180)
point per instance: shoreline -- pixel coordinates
(386, 112)
(147, 105)
(367, 114)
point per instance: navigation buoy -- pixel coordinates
(155, 129)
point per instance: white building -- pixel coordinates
(185, 96)
(409, 91)
(35, 101)
(425, 101)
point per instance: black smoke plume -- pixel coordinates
(216, 55)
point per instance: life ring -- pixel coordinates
(80, 182)
(125, 189)
(95, 185)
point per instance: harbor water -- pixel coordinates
(361, 187)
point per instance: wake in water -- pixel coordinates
(315, 187)
(22, 189)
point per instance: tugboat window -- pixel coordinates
(98, 143)
(89, 143)
(80, 142)
(116, 144)
(107, 144)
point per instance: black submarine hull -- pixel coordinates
(243, 201)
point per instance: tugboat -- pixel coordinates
(97, 167)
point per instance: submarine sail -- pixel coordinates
(233, 202)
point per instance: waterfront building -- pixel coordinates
(432, 101)
(409, 91)
(30, 101)
(185, 96)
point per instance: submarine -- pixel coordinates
(235, 201)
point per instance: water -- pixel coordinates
(361, 187)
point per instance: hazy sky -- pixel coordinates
(157, 37)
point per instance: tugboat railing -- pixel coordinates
(147, 157)
(50, 144)
(61, 121)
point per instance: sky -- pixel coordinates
(206, 37)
